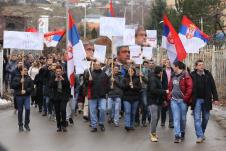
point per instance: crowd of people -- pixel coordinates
(141, 95)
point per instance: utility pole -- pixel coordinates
(201, 22)
(85, 24)
(132, 3)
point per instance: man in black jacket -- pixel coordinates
(23, 86)
(61, 92)
(204, 94)
(114, 97)
(155, 100)
(44, 74)
(98, 87)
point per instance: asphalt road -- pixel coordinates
(43, 137)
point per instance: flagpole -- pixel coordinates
(67, 21)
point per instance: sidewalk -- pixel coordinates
(219, 114)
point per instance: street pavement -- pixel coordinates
(43, 137)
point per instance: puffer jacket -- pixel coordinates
(185, 87)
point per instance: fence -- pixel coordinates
(214, 60)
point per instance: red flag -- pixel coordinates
(111, 9)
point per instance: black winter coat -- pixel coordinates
(66, 91)
(99, 86)
(210, 90)
(45, 77)
(156, 91)
(131, 94)
(38, 83)
(17, 85)
(117, 88)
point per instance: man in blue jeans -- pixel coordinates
(204, 93)
(180, 88)
(23, 86)
(114, 97)
(98, 87)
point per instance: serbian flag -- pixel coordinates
(111, 12)
(75, 52)
(51, 39)
(191, 36)
(172, 42)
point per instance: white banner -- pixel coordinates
(147, 52)
(135, 54)
(112, 26)
(43, 24)
(23, 40)
(100, 53)
(116, 41)
(129, 37)
(152, 38)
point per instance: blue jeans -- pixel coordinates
(93, 104)
(23, 101)
(130, 112)
(114, 106)
(47, 105)
(179, 110)
(144, 107)
(200, 122)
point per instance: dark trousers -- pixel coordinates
(164, 113)
(23, 101)
(60, 110)
(39, 99)
(15, 102)
(142, 108)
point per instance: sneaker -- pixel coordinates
(21, 129)
(59, 129)
(153, 137)
(116, 124)
(27, 128)
(163, 124)
(102, 128)
(171, 126)
(204, 137)
(94, 130)
(177, 139)
(137, 124)
(64, 129)
(71, 121)
(110, 121)
(127, 129)
(85, 118)
(132, 128)
(199, 140)
(182, 136)
(144, 124)
(44, 114)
